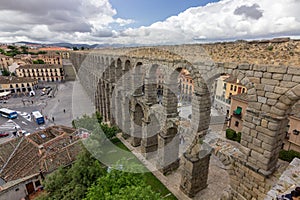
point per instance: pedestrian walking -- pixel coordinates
(31, 102)
(181, 139)
(53, 119)
(64, 110)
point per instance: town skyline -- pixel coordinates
(147, 23)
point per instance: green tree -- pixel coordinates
(93, 123)
(38, 61)
(5, 72)
(121, 185)
(72, 183)
(42, 52)
(24, 49)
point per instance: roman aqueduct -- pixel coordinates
(121, 82)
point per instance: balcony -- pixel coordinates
(237, 113)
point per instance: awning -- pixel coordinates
(238, 111)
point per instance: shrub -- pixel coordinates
(288, 155)
(270, 48)
(230, 134)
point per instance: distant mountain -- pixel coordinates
(71, 45)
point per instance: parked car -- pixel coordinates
(4, 134)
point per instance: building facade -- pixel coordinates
(220, 103)
(226, 86)
(17, 84)
(186, 86)
(238, 106)
(293, 135)
(50, 58)
(5, 61)
(42, 72)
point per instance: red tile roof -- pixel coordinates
(25, 156)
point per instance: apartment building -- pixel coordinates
(14, 84)
(42, 72)
(226, 87)
(51, 58)
(186, 86)
(238, 106)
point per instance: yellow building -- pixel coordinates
(42, 72)
(17, 84)
(233, 87)
(50, 58)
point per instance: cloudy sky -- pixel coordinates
(147, 22)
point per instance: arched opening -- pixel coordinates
(136, 125)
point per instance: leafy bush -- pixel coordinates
(232, 135)
(270, 48)
(288, 155)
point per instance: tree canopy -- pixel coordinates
(38, 61)
(121, 185)
(72, 183)
(88, 179)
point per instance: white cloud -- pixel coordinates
(227, 19)
(94, 21)
(56, 20)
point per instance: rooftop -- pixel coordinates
(14, 79)
(40, 66)
(241, 97)
(231, 79)
(44, 150)
(54, 49)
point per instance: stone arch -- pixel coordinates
(112, 70)
(273, 126)
(151, 83)
(118, 69)
(137, 81)
(149, 143)
(137, 116)
(127, 65)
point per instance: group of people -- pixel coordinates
(294, 195)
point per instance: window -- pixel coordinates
(191, 81)
(238, 111)
(37, 183)
(236, 123)
(243, 91)
(224, 86)
(231, 87)
(235, 88)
